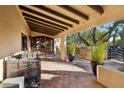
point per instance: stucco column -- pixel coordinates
(63, 48)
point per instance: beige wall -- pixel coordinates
(11, 26)
(110, 78)
(84, 54)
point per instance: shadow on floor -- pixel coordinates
(68, 79)
(47, 59)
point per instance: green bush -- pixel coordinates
(71, 48)
(99, 52)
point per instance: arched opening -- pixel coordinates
(43, 43)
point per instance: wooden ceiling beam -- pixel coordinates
(30, 22)
(45, 21)
(44, 8)
(74, 11)
(28, 19)
(97, 8)
(44, 15)
(42, 29)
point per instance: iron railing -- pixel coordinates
(116, 52)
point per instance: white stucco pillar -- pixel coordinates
(1, 69)
(63, 48)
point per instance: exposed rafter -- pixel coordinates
(45, 16)
(74, 11)
(30, 22)
(41, 30)
(37, 28)
(63, 19)
(29, 19)
(45, 21)
(97, 8)
(44, 8)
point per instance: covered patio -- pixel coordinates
(41, 30)
(57, 74)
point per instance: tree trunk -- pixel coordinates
(83, 40)
(94, 35)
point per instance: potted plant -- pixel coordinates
(71, 48)
(98, 55)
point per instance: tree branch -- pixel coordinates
(91, 33)
(108, 33)
(94, 35)
(83, 40)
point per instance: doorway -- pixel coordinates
(24, 42)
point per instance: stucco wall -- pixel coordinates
(84, 54)
(11, 26)
(110, 78)
(1, 69)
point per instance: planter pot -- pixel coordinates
(94, 66)
(70, 57)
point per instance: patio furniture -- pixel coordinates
(27, 66)
(8, 85)
(15, 80)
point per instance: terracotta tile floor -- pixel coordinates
(57, 74)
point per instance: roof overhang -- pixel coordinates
(57, 20)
